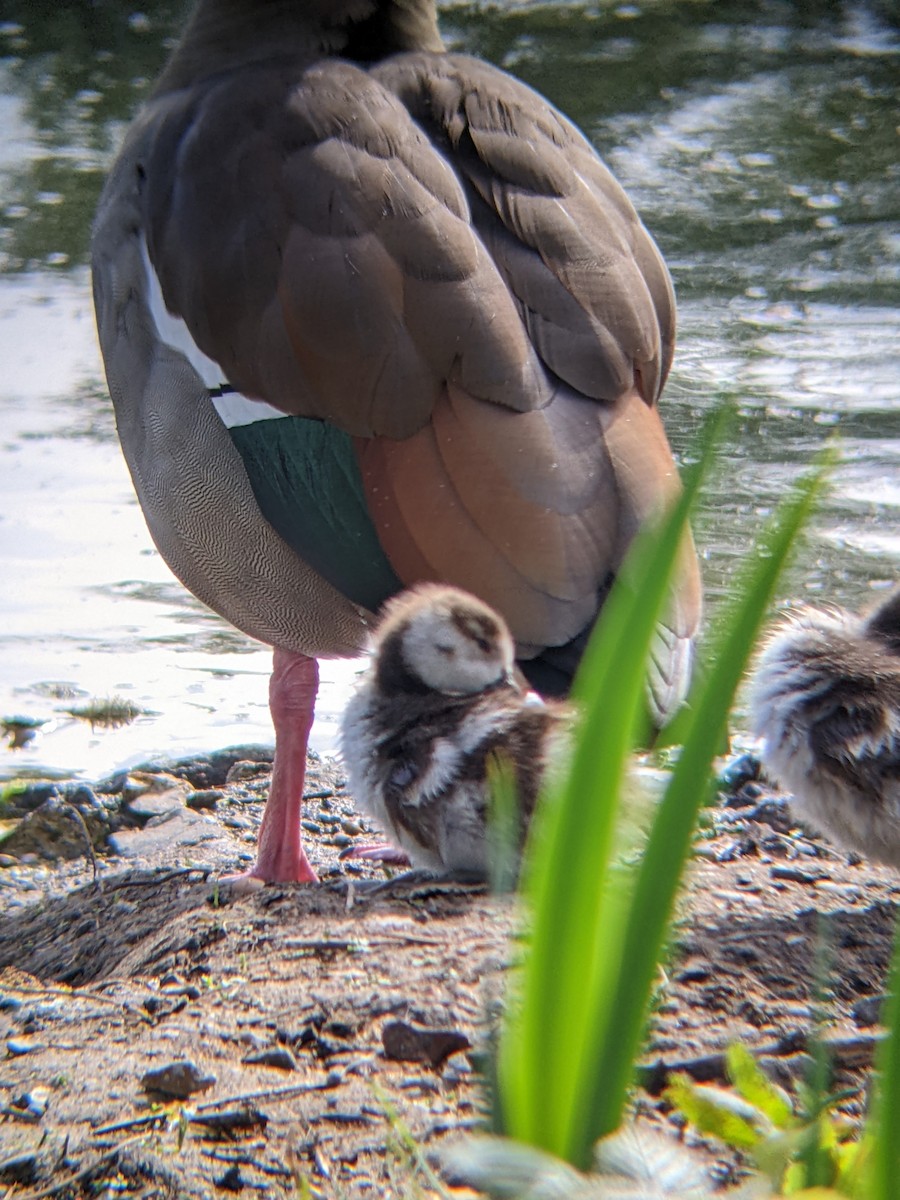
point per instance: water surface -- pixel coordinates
(760, 144)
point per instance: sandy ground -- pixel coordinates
(331, 1034)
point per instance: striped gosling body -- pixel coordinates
(826, 701)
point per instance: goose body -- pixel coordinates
(438, 704)
(826, 701)
(374, 314)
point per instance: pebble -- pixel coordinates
(226, 1121)
(233, 822)
(132, 788)
(162, 1006)
(273, 1056)
(177, 1079)
(846, 891)
(773, 811)
(232, 1180)
(20, 1046)
(310, 826)
(411, 1043)
(243, 770)
(698, 974)
(353, 828)
(795, 874)
(740, 771)
(149, 804)
(188, 990)
(20, 1168)
(33, 1104)
(207, 798)
(865, 1012)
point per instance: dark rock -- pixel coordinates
(19, 1168)
(242, 772)
(865, 1012)
(796, 874)
(272, 1056)
(340, 1029)
(774, 811)
(59, 829)
(33, 1104)
(231, 1181)
(228, 1120)
(149, 804)
(694, 975)
(19, 1046)
(164, 1006)
(206, 799)
(32, 796)
(190, 991)
(411, 1043)
(740, 771)
(178, 1080)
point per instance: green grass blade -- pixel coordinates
(610, 1053)
(756, 1088)
(566, 875)
(503, 825)
(885, 1163)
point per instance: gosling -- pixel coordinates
(439, 701)
(826, 701)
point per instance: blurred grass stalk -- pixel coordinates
(885, 1121)
(574, 1030)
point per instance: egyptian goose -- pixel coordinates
(826, 700)
(439, 702)
(374, 314)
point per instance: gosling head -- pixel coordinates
(883, 622)
(437, 638)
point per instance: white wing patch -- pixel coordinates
(233, 408)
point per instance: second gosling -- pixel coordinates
(826, 701)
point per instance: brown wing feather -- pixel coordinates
(532, 169)
(342, 248)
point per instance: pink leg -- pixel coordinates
(280, 857)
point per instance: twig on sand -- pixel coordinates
(114, 885)
(78, 817)
(279, 1093)
(133, 1123)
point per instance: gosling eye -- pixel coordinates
(483, 645)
